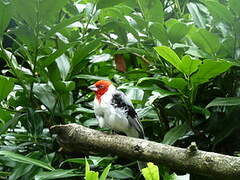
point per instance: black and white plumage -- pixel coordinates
(114, 110)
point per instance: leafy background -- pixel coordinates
(178, 61)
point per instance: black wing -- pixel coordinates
(121, 101)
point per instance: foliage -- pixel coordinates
(92, 175)
(178, 61)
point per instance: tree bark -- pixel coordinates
(77, 138)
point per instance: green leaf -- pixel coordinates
(62, 25)
(46, 61)
(125, 173)
(207, 41)
(209, 69)
(158, 94)
(7, 85)
(189, 65)
(55, 174)
(87, 167)
(92, 175)
(177, 31)
(105, 172)
(74, 160)
(169, 55)
(196, 15)
(22, 170)
(159, 32)
(12, 122)
(119, 29)
(5, 16)
(5, 116)
(45, 94)
(228, 101)
(177, 83)
(63, 66)
(25, 159)
(151, 172)
(100, 58)
(26, 35)
(91, 77)
(106, 3)
(135, 94)
(26, 11)
(235, 6)
(49, 10)
(219, 11)
(200, 110)
(175, 133)
(85, 50)
(55, 73)
(152, 10)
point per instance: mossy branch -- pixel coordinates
(76, 138)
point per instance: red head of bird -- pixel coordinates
(100, 88)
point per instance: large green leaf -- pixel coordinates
(55, 174)
(5, 116)
(106, 3)
(90, 175)
(196, 15)
(63, 66)
(6, 85)
(49, 10)
(207, 41)
(159, 32)
(177, 83)
(177, 31)
(91, 77)
(189, 65)
(121, 24)
(105, 172)
(209, 69)
(158, 94)
(175, 133)
(151, 172)
(25, 159)
(47, 60)
(26, 35)
(26, 11)
(45, 94)
(148, 81)
(57, 72)
(152, 10)
(125, 173)
(219, 11)
(85, 50)
(235, 6)
(228, 101)
(62, 25)
(135, 94)
(169, 55)
(119, 29)
(11, 122)
(5, 16)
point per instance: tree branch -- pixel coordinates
(76, 138)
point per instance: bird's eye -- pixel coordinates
(100, 86)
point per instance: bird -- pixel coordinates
(114, 110)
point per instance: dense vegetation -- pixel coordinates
(178, 60)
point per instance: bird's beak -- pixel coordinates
(93, 87)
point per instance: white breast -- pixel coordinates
(109, 116)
